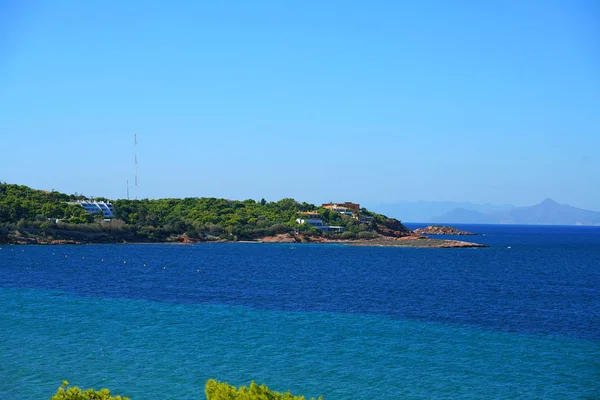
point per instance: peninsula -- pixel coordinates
(29, 216)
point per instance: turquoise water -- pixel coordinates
(142, 348)
(411, 328)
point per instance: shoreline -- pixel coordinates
(426, 243)
(415, 243)
(412, 241)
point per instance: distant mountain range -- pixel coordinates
(425, 211)
(548, 212)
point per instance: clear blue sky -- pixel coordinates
(373, 101)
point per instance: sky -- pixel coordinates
(373, 101)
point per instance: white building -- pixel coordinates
(342, 210)
(94, 206)
(318, 223)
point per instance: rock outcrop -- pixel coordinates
(419, 242)
(281, 238)
(441, 230)
(393, 227)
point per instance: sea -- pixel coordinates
(517, 320)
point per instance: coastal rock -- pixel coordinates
(280, 238)
(21, 240)
(411, 237)
(441, 230)
(459, 244)
(393, 227)
(184, 239)
(419, 242)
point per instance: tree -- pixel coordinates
(222, 391)
(348, 235)
(74, 393)
(99, 217)
(214, 391)
(367, 235)
(161, 219)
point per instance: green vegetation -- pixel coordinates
(21, 203)
(223, 391)
(74, 393)
(214, 391)
(32, 212)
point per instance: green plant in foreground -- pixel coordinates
(223, 391)
(74, 393)
(214, 391)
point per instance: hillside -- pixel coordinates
(28, 214)
(548, 212)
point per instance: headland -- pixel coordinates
(29, 216)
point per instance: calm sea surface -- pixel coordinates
(520, 319)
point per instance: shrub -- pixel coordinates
(74, 393)
(281, 228)
(348, 235)
(46, 226)
(214, 391)
(367, 235)
(222, 391)
(315, 231)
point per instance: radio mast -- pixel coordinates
(135, 165)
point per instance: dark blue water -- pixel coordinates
(517, 320)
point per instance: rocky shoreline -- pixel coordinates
(420, 242)
(382, 241)
(413, 241)
(441, 230)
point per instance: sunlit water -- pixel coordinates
(156, 321)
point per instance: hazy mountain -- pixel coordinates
(464, 216)
(424, 211)
(548, 212)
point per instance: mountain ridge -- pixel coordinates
(547, 212)
(423, 211)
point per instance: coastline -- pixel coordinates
(384, 241)
(406, 242)
(422, 243)
(442, 230)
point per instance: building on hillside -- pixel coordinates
(335, 229)
(317, 223)
(92, 206)
(314, 219)
(344, 208)
(309, 214)
(350, 209)
(310, 217)
(365, 219)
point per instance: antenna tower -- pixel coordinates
(135, 165)
(127, 189)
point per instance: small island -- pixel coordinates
(29, 216)
(441, 230)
